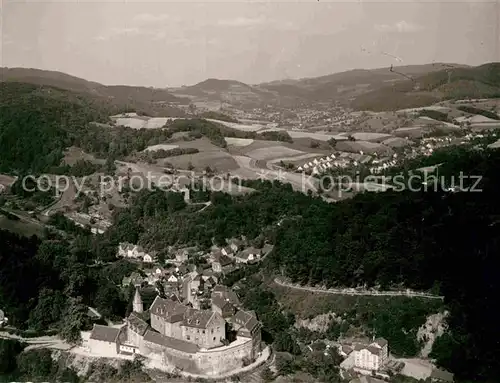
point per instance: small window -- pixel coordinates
(214, 338)
(203, 331)
(212, 331)
(188, 337)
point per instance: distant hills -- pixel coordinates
(452, 83)
(231, 91)
(377, 90)
(151, 101)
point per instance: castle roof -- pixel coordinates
(137, 324)
(104, 333)
(226, 294)
(246, 319)
(197, 318)
(220, 302)
(168, 309)
(177, 344)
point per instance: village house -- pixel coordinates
(221, 263)
(235, 245)
(249, 255)
(127, 250)
(224, 301)
(371, 357)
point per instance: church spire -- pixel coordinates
(137, 304)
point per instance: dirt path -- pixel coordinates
(39, 342)
(346, 291)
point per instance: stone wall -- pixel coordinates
(211, 362)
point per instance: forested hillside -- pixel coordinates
(38, 123)
(452, 83)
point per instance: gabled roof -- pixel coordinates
(372, 349)
(104, 333)
(380, 342)
(197, 318)
(223, 260)
(137, 324)
(225, 293)
(177, 344)
(247, 319)
(168, 309)
(221, 302)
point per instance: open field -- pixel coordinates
(367, 136)
(73, 154)
(238, 141)
(273, 152)
(248, 169)
(142, 122)
(295, 159)
(202, 144)
(242, 127)
(153, 148)
(365, 146)
(397, 142)
(217, 160)
(411, 132)
(316, 136)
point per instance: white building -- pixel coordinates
(371, 357)
(128, 250)
(103, 340)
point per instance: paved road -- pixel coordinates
(411, 294)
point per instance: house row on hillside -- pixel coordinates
(136, 252)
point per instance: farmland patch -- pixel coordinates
(273, 152)
(153, 148)
(216, 160)
(241, 142)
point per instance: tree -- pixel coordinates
(48, 310)
(74, 320)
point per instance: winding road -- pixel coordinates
(346, 291)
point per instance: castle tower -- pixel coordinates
(137, 304)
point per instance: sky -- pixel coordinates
(165, 43)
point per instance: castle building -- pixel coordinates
(202, 327)
(180, 336)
